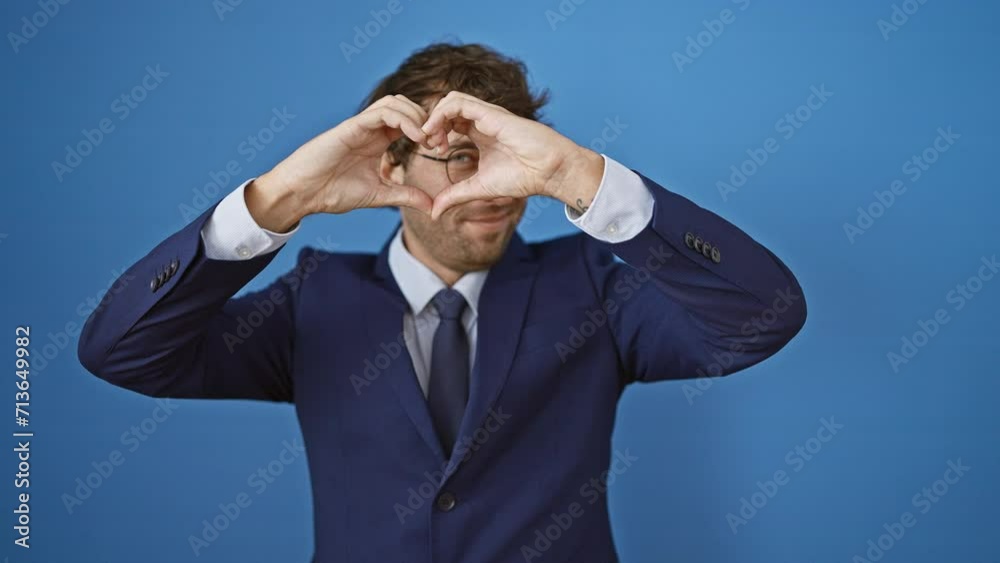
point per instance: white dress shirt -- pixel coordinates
(421, 321)
(621, 208)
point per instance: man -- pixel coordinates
(456, 391)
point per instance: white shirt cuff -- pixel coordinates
(232, 234)
(622, 206)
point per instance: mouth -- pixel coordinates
(490, 220)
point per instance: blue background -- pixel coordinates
(699, 454)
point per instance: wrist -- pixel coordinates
(273, 205)
(576, 181)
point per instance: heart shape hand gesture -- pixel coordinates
(519, 157)
(338, 170)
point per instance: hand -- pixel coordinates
(518, 157)
(338, 171)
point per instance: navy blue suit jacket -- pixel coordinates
(563, 326)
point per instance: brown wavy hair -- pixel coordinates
(472, 68)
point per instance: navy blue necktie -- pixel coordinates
(448, 391)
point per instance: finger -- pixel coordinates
(457, 94)
(403, 104)
(467, 190)
(459, 125)
(378, 103)
(391, 117)
(398, 195)
(421, 113)
(451, 110)
(399, 120)
(384, 101)
(417, 114)
(441, 135)
(486, 118)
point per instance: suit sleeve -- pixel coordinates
(691, 295)
(175, 330)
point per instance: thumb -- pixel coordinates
(399, 195)
(469, 189)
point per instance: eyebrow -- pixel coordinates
(462, 145)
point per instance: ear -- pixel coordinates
(389, 172)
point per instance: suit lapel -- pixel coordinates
(384, 307)
(503, 303)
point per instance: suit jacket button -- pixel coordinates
(697, 244)
(446, 501)
(707, 249)
(173, 266)
(154, 284)
(716, 255)
(689, 240)
(162, 277)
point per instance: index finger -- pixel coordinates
(484, 117)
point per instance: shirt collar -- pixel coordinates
(419, 284)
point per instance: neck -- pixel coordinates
(415, 248)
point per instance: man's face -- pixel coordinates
(468, 237)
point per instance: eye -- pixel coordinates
(467, 157)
